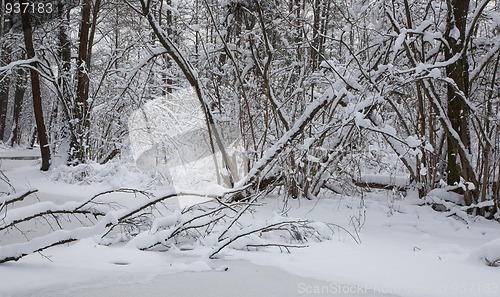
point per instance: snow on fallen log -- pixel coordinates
(450, 207)
(447, 195)
(26, 213)
(9, 199)
(383, 182)
(17, 251)
(23, 214)
(111, 218)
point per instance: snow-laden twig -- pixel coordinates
(6, 200)
(26, 213)
(19, 63)
(111, 218)
(253, 230)
(16, 251)
(41, 209)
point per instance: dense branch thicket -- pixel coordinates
(320, 92)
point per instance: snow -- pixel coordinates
(435, 73)
(395, 250)
(41, 207)
(429, 147)
(14, 197)
(175, 279)
(446, 195)
(413, 141)
(397, 180)
(423, 171)
(168, 138)
(327, 97)
(488, 253)
(455, 33)
(166, 221)
(406, 249)
(158, 128)
(398, 43)
(430, 36)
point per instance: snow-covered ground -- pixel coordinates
(405, 249)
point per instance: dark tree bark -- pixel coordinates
(15, 137)
(81, 109)
(4, 94)
(458, 112)
(37, 96)
(168, 80)
(192, 77)
(5, 58)
(64, 50)
(316, 33)
(63, 80)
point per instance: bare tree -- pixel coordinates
(21, 85)
(36, 91)
(5, 59)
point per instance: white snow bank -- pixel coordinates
(446, 195)
(488, 253)
(159, 276)
(196, 266)
(114, 174)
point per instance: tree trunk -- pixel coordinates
(81, 108)
(192, 76)
(458, 111)
(35, 89)
(167, 80)
(4, 96)
(316, 34)
(65, 93)
(15, 137)
(5, 59)
(64, 50)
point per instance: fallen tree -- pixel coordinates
(152, 223)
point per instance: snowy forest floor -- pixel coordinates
(405, 250)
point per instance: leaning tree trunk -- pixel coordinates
(35, 89)
(192, 77)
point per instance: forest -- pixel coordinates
(290, 99)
